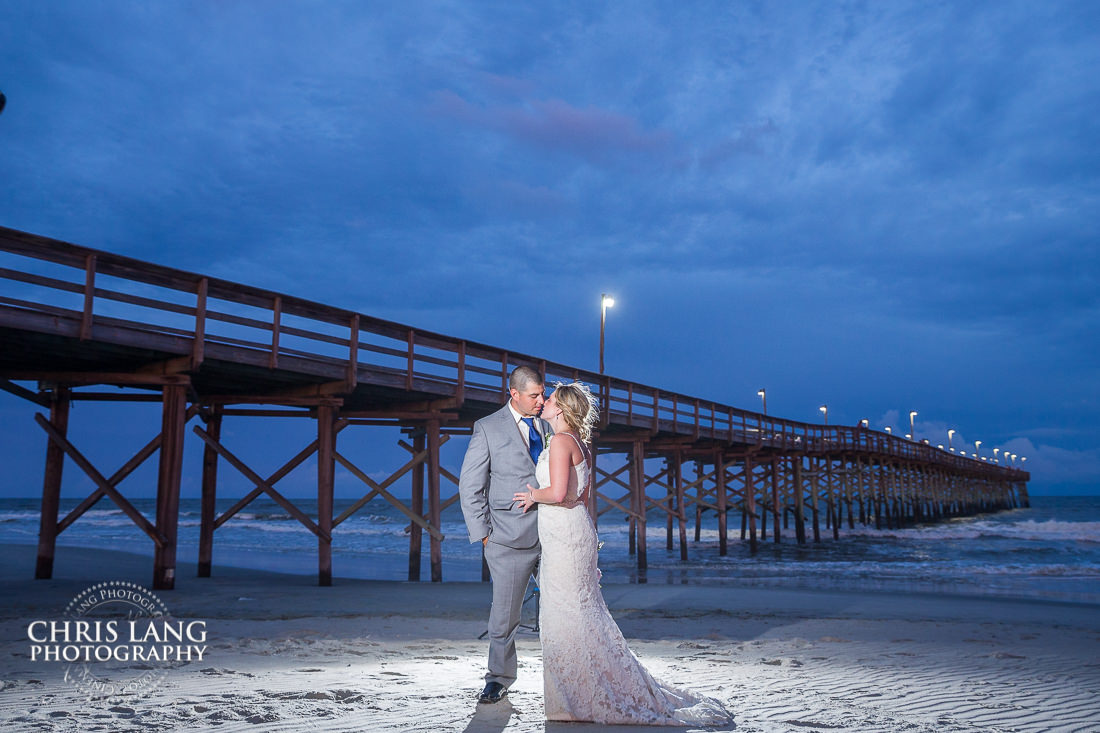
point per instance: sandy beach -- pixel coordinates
(286, 655)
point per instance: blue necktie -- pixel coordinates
(535, 445)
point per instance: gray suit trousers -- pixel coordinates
(510, 569)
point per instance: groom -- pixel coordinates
(499, 462)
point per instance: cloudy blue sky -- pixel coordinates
(881, 206)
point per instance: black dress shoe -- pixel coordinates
(493, 692)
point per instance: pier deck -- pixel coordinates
(74, 320)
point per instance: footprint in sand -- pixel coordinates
(217, 671)
(262, 718)
(812, 724)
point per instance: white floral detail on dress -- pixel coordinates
(589, 672)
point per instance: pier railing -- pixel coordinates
(62, 289)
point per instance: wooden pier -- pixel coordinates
(74, 320)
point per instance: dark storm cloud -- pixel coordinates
(864, 203)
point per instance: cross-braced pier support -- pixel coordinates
(829, 492)
(163, 529)
(819, 492)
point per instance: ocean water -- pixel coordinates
(1051, 550)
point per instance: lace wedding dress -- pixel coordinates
(589, 673)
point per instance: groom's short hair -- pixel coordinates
(521, 376)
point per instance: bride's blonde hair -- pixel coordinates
(578, 407)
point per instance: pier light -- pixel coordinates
(864, 423)
(977, 447)
(1013, 457)
(925, 441)
(912, 430)
(984, 458)
(825, 412)
(1023, 458)
(763, 395)
(995, 452)
(908, 436)
(949, 434)
(940, 446)
(888, 430)
(606, 301)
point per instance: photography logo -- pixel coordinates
(116, 640)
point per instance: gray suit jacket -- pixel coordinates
(497, 465)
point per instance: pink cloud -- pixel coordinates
(557, 124)
(591, 132)
(448, 104)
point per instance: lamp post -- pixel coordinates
(949, 434)
(888, 430)
(606, 301)
(977, 447)
(825, 411)
(995, 452)
(763, 395)
(912, 414)
(864, 423)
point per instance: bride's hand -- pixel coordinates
(525, 498)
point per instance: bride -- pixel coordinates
(589, 673)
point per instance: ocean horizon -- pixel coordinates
(1050, 550)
